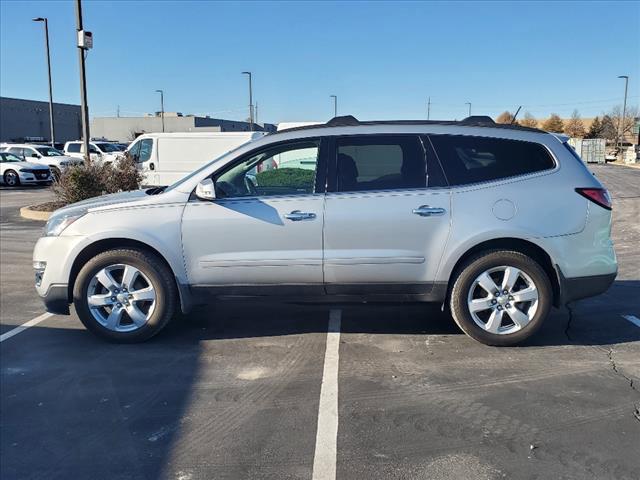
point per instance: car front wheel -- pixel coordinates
(501, 297)
(125, 295)
(11, 178)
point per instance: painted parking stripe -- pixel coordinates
(325, 457)
(31, 323)
(632, 319)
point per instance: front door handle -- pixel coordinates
(427, 211)
(297, 216)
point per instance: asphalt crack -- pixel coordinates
(614, 367)
(569, 321)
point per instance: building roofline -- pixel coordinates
(40, 101)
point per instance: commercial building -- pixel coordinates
(28, 120)
(124, 129)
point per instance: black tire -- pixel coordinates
(11, 178)
(154, 268)
(463, 282)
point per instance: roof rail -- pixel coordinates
(477, 120)
(344, 121)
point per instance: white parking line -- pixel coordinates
(325, 457)
(24, 326)
(632, 319)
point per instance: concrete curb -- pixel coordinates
(630, 165)
(28, 213)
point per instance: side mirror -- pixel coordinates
(35, 155)
(206, 190)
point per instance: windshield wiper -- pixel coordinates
(156, 190)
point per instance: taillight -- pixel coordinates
(599, 196)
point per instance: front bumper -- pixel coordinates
(56, 299)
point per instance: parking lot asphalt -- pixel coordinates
(236, 389)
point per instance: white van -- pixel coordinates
(167, 157)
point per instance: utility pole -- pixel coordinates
(335, 104)
(46, 39)
(118, 112)
(161, 92)
(469, 103)
(250, 101)
(257, 112)
(429, 108)
(82, 46)
(624, 112)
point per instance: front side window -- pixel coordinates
(73, 148)
(49, 152)
(146, 146)
(108, 147)
(17, 151)
(380, 163)
(282, 170)
(467, 159)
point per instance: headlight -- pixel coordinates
(57, 223)
(25, 170)
(64, 164)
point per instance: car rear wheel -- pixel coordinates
(11, 178)
(501, 297)
(125, 295)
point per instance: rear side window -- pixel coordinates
(468, 159)
(73, 148)
(380, 163)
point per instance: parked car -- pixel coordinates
(496, 222)
(14, 171)
(165, 158)
(105, 152)
(41, 155)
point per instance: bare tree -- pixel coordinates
(529, 120)
(505, 117)
(623, 127)
(553, 124)
(574, 127)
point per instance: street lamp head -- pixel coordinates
(245, 73)
(38, 19)
(623, 76)
(159, 91)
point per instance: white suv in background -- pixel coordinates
(104, 152)
(497, 222)
(42, 155)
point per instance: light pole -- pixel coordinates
(335, 104)
(250, 101)
(46, 39)
(429, 108)
(161, 92)
(624, 111)
(469, 103)
(83, 81)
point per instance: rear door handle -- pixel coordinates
(297, 216)
(427, 211)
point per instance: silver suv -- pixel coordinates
(499, 223)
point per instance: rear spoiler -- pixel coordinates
(560, 136)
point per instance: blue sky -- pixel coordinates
(382, 59)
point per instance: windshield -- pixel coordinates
(9, 157)
(49, 152)
(108, 147)
(204, 167)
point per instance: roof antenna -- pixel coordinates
(513, 120)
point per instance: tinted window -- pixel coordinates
(478, 159)
(380, 163)
(283, 170)
(73, 148)
(49, 152)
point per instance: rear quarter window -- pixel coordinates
(73, 148)
(467, 159)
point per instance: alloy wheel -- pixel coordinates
(503, 300)
(121, 298)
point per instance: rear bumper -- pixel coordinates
(56, 299)
(572, 289)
